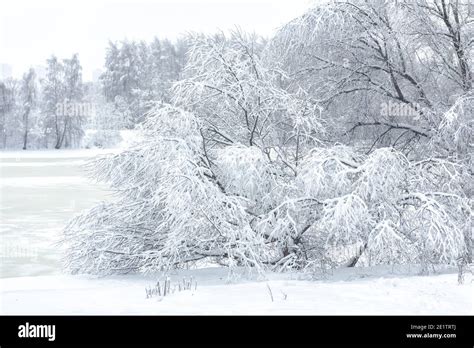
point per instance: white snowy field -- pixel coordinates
(346, 292)
(39, 192)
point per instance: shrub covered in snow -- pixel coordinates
(180, 204)
(235, 172)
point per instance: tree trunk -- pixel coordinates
(60, 141)
(356, 258)
(25, 136)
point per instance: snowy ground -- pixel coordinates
(354, 291)
(39, 192)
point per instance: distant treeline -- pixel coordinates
(54, 111)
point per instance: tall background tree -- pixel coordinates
(28, 98)
(138, 74)
(73, 95)
(9, 97)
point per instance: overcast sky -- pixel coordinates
(32, 30)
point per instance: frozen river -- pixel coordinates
(39, 192)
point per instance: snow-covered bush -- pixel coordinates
(178, 206)
(235, 172)
(386, 244)
(172, 210)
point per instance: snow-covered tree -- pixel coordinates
(200, 210)
(53, 95)
(73, 94)
(357, 57)
(21, 123)
(62, 92)
(28, 98)
(239, 171)
(9, 95)
(137, 74)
